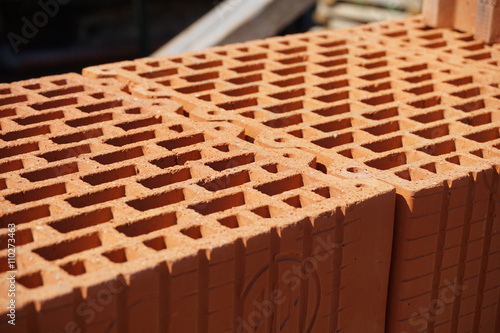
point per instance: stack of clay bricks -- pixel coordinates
(336, 181)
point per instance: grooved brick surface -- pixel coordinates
(413, 106)
(176, 225)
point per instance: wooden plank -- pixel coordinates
(235, 21)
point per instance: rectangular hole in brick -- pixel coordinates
(468, 93)
(117, 256)
(166, 179)
(98, 197)
(411, 175)
(334, 85)
(332, 73)
(249, 68)
(202, 77)
(283, 122)
(389, 127)
(228, 181)
(289, 94)
(53, 172)
(119, 156)
(78, 136)
(435, 45)
(293, 50)
(333, 63)
(322, 191)
(7, 112)
(63, 91)
(148, 225)
(252, 57)
(293, 60)
(174, 160)
(288, 107)
(157, 200)
(5, 91)
(69, 247)
(419, 78)
(196, 88)
(85, 121)
(415, 68)
(291, 70)
(378, 87)
(18, 149)
(182, 141)
(232, 162)
(333, 43)
(130, 125)
(426, 103)
(440, 148)
(289, 82)
(479, 56)
(333, 110)
(26, 133)
(433, 132)
(58, 155)
(330, 98)
(471, 106)
(159, 73)
(335, 125)
(374, 64)
(11, 166)
(37, 194)
(81, 221)
(382, 114)
(156, 244)
(219, 204)
(335, 53)
(3, 184)
(484, 136)
(421, 90)
(240, 80)
(384, 99)
(297, 201)
(478, 120)
(429, 117)
(31, 281)
(376, 76)
(242, 91)
(263, 212)
(271, 168)
(25, 215)
(21, 237)
(395, 34)
(373, 55)
(281, 185)
(53, 103)
(206, 65)
(335, 140)
(388, 162)
(235, 221)
(485, 153)
(110, 175)
(75, 268)
(234, 105)
(39, 118)
(132, 138)
(194, 232)
(98, 95)
(461, 81)
(385, 145)
(61, 82)
(13, 100)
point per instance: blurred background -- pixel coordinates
(44, 37)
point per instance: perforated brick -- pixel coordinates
(410, 105)
(175, 225)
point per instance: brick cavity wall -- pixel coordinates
(413, 106)
(131, 216)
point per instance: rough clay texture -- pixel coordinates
(209, 175)
(197, 226)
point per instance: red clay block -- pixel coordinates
(132, 216)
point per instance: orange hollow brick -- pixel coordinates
(131, 216)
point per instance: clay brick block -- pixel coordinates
(130, 215)
(479, 17)
(369, 105)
